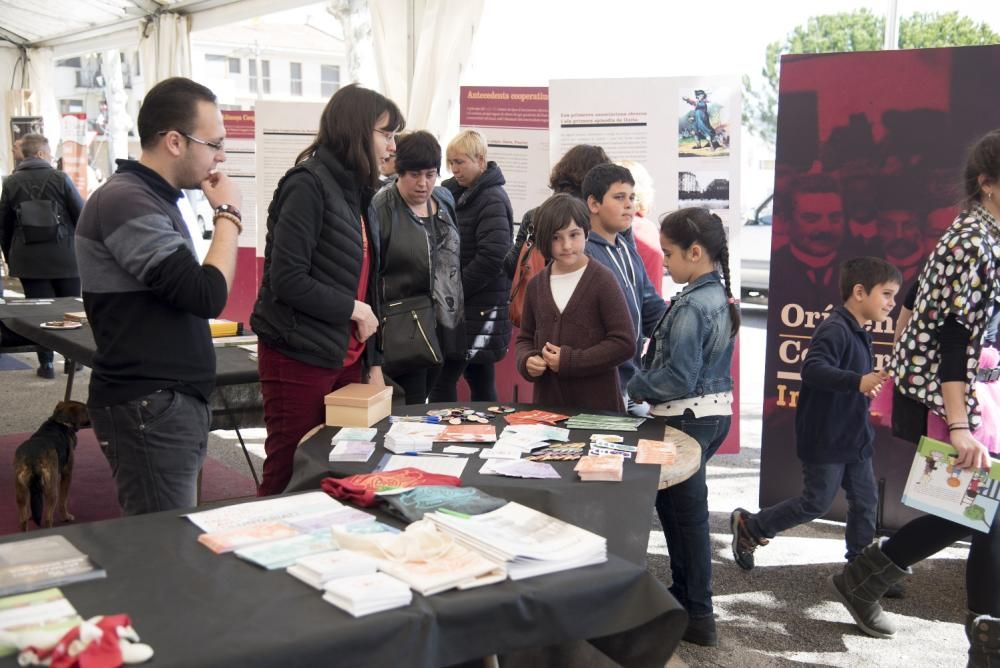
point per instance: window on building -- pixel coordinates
(265, 75)
(329, 76)
(234, 65)
(296, 78)
(252, 74)
(215, 65)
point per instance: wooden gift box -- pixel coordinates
(358, 405)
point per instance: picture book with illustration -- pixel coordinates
(936, 486)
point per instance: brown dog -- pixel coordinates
(43, 465)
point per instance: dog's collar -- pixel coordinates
(68, 425)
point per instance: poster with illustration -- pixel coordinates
(705, 119)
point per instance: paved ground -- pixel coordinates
(778, 615)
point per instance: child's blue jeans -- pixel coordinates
(683, 512)
(821, 484)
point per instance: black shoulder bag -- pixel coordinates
(409, 333)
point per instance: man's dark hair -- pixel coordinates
(417, 151)
(568, 174)
(171, 104)
(600, 179)
(866, 272)
(806, 184)
(554, 214)
(33, 144)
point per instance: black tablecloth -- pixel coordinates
(235, 402)
(619, 511)
(196, 608)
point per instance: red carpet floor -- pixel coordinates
(92, 495)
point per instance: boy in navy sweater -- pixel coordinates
(833, 434)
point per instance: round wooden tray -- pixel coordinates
(688, 458)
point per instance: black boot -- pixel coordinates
(983, 633)
(860, 586)
(701, 631)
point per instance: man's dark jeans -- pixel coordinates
(156, 445)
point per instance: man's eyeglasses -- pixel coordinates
(389, 136)
(215, 146)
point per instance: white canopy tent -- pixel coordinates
(420, 47)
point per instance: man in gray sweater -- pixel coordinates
(148, 299)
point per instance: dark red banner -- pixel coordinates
(869, 157)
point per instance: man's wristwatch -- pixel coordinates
(228, 208)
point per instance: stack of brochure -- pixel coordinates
(352, 451)
(318, 569)
(425, 558)
(365, 594)
(37, 563)
(531, 542)
(283, 553)
(411, 437)
(354, 434)
(603, 467)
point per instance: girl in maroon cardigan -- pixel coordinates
(576, 328)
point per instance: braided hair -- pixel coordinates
(696, 225)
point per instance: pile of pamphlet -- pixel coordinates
(352, 451)
(530, 542)
(362, 595)
(600, 468)
(428, 560)
(316, 570)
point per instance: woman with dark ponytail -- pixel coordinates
(686, 379)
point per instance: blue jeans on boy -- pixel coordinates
(156, 446)
(683, 513)
(821, 483)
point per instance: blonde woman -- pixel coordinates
(485, 226)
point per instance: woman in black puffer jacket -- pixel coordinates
(485, 224)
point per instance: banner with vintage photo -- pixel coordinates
(869, 157)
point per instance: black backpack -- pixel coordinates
(38, 218)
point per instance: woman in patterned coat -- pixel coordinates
(940, 368)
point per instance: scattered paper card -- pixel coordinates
(534, 417)
(592, 422)
(656, 452)
(500, 452)
(444, 465)
(460, 450)
(523, 468)
(467, 433)
(231, 539)
(541, 432)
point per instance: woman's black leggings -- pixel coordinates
(929, 534)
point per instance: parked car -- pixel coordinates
(755, 247)
(197, 214)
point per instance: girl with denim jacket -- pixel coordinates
(686, 379)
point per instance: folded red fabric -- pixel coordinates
(360, 489)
